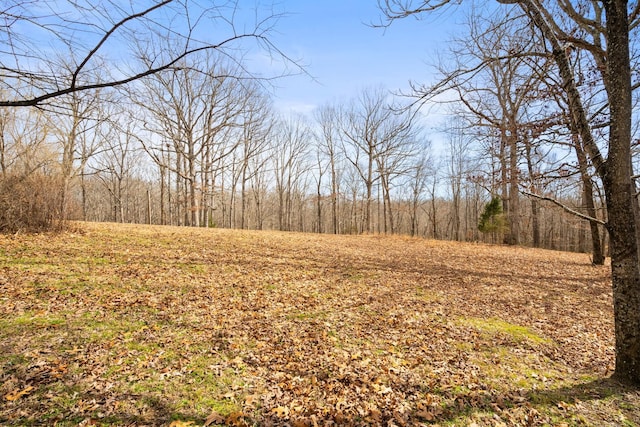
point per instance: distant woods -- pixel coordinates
(193, 139)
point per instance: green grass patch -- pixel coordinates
(191, 267)
(102, 330)
(494, 326)
(306, 315)
(30, 321)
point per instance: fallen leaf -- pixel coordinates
(236, 419)
(15, 395)
(280, 411)
(426, 415)
(214, 417)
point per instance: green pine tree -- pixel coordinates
(492, 220)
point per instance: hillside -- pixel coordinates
(142, 325)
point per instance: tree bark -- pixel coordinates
(514, 195)
(620, 193)
(587, 185)
(535, 207)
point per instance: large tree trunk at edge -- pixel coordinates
(620, 194)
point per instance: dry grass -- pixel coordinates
(136, 325)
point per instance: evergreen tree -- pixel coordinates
(492, 219)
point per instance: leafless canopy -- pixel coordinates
(398, 9)
(50, 48)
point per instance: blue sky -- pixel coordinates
(336, 43)
(345, 54)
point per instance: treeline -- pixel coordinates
(195, 149)
(141, 204)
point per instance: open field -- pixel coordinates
(141, 325)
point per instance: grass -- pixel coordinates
(493, 326)
(142, 325)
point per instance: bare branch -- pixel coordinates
(36, 74)
(564, 207)
(108, 34)
(72, 89)
(398, 9)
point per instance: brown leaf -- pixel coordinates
(280, 411)
(426, 415)
(236, 419)
(214, 417)
(181, 424)
(17, 394)
(251, 399)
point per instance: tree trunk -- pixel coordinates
(620, 192)
(163, 220)
(148, 206)
(504, 179)
(319, 206)
(387, 205)
(243, 194)
(587, 185)
(334, 196)
(369, 185)
(535, 206)
(514, 195)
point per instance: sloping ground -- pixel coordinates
(135, 325)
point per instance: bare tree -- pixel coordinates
(257, 127)
(457, 169)
(290, 148)
(375, 132)
(419, 179)
(320, 170)
(259, 187)
(552, 124)
(200, 114)
(492, 75)
(115, 166)
(63, 56)
(432, 190)
(361, 122)
(23, 142)
(394, 156)
(76, 127)
(29, 175)
(328, 119)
